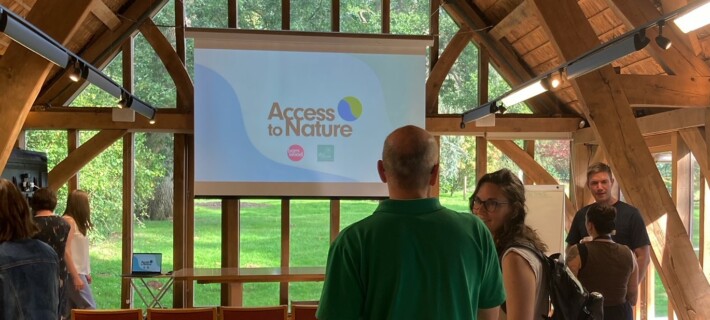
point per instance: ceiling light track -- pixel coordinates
(32, 38)
(688, 18)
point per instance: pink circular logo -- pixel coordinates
(295, 152)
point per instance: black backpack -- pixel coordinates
(570, 300)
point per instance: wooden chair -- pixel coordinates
(107, 314)
(254, 313)
(304, 312)
(208, 313)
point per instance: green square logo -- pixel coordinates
(326, 153)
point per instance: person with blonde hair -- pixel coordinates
(29, 268)
(78, 215)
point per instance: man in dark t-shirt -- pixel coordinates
(630, 228)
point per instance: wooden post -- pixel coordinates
(128, 184)
(386, 14)
(285, 246)
(705, 227)
(231, 293)
(581, 155)
(127, 219)
(481, 157)
(285, 14)
(334, 218)
(73, 137)
(233, 14)
(335, 15)
(179, 192)
(529, 147)
(682, 180)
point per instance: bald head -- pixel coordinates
(409, 156)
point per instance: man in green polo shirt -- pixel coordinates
(412, 258)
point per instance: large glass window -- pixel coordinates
(554, 155)
(360, 16)
(311, 15)
(260, 247)
(152, 83)
(92, 96)
(205, 14)
(457, 169)
(259, 14)
(310, 239)
(409, 17)
(459, 91)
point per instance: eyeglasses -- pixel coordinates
(490, 204)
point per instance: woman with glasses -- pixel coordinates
(499, 200)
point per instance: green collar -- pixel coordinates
(415, 206)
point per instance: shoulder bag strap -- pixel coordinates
(582, 248)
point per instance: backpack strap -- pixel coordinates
(544, 260)
(582, 248)
(528, 246)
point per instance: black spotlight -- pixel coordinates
(662, 41)
(126, 100)
(641, 40)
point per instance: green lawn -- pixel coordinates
(260, 247)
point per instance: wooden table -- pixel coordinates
(235, 277)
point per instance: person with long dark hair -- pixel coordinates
(605, 266)
(78, 215)
(54, 231)
(499, 200)
(29, 268)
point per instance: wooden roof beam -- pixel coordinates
(666, 91)
(678, 59)
(509, 66)
(22, 72)
(443, 66)
(695, 140)
(173, 64)
(659, 123)
(84, 118)
(104, 13)
(659, 142)
(606, 106)
(520, 15)
(99, 52)
(528, 127)
(533, 170)
(76, 160)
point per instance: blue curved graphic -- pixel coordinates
(233, 157)
(350, 109)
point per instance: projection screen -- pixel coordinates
(301, 114)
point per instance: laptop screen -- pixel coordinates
(147, 263)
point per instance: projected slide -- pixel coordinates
(288, 123)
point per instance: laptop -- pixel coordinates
(147, 263)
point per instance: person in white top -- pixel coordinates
(78, 215)
(499, 200)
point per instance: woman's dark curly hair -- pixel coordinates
(514, 228)
(602, 217)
